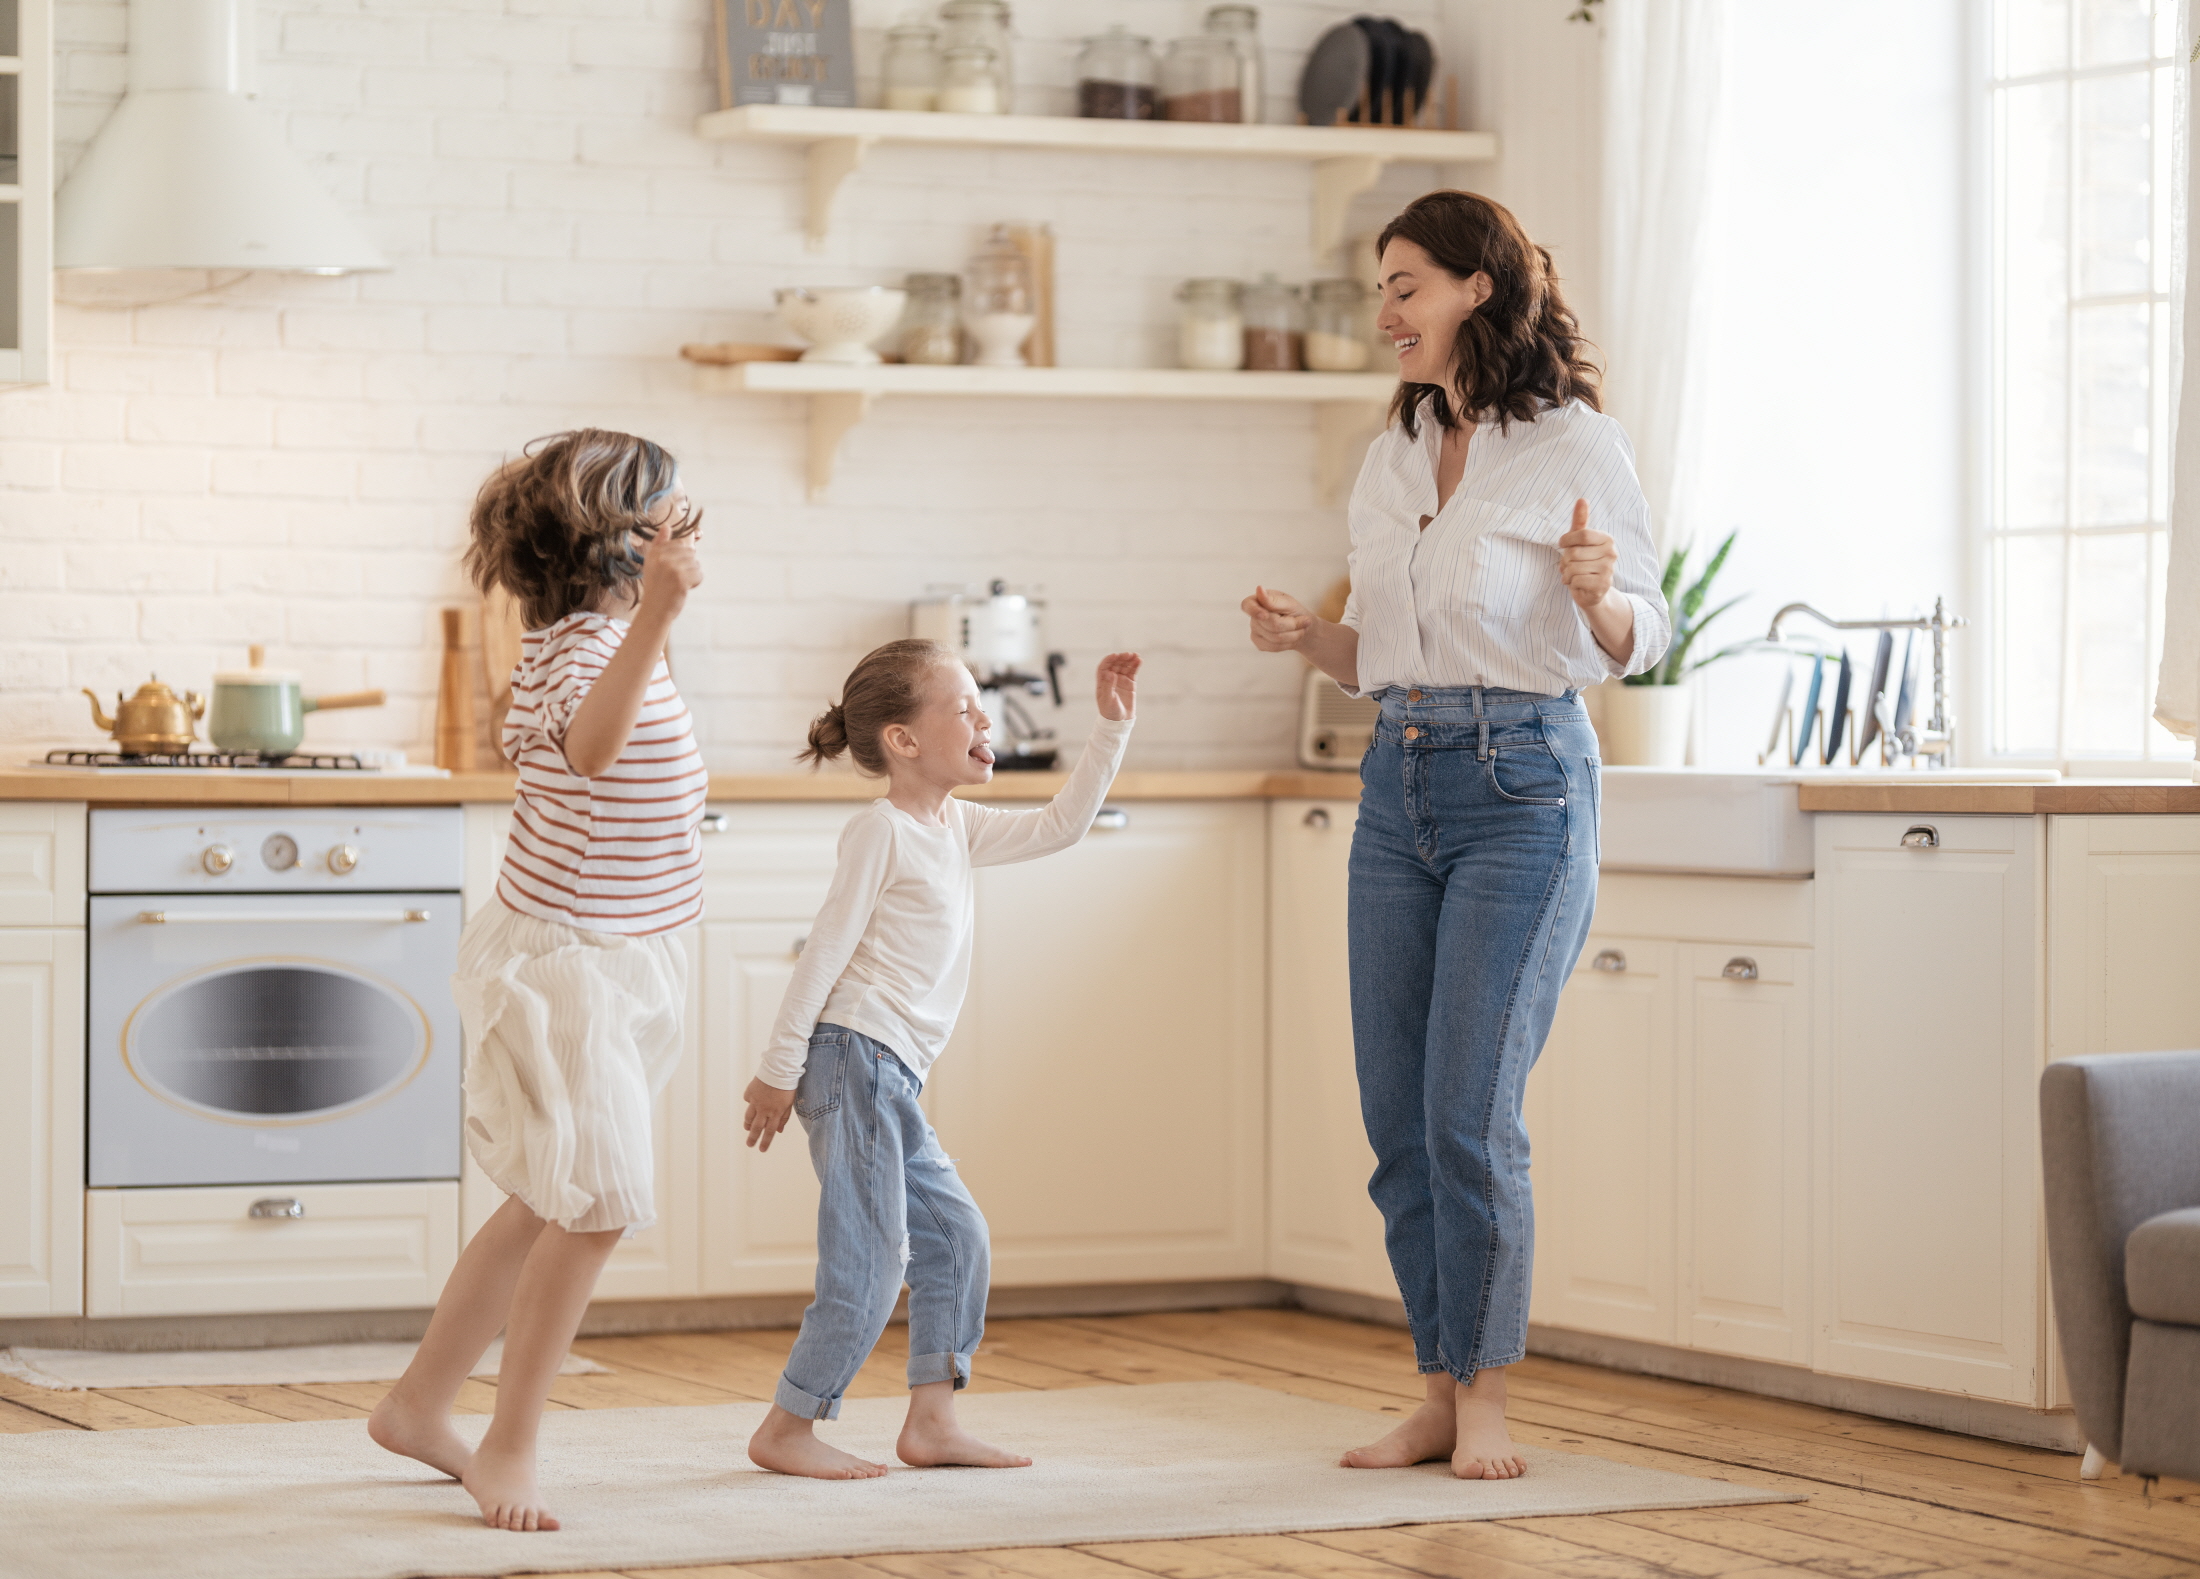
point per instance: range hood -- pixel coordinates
(189, 173)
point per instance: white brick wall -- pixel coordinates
(289, 460)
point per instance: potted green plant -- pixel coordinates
(1645, 720)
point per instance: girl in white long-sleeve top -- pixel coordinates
(871, 1005)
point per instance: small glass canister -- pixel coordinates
(931, 325)
(970, 82)
(983, 24)
(1115, 77)
(1240, 24)
(1199, 80)
(1275, 327)
(1336, 327)
(910, 71)
(998, 311)
(1210, 331)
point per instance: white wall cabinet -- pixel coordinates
(26, 191)
(1926, 1057)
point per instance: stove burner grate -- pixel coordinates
(302, 761)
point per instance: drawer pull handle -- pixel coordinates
(283, 1206)
(1922, 836)
(1111, 819)
(1740, 968)
(171, 918)
(1317, 818)
(1611, 961)
(716, 822)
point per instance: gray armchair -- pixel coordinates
(2120, 1139)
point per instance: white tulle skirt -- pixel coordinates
(570, 1036)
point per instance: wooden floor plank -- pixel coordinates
(15, 1419)
(1241, 1556)
(94, 1410)
(201, 1405)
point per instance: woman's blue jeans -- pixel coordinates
(1474, 871)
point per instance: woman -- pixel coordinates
(1483, 600)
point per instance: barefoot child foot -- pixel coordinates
(1430, 1432)
(1485, 1448)
(414, 1432)
(788, 1443)
(932, 1437)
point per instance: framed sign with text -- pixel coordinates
(785, 52)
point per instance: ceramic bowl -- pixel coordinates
(840, 321)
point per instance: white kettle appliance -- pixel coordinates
(1001, 635)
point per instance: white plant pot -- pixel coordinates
(1646, 726)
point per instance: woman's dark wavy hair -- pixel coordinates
(1519, 353)
(887, 687)
(556, 527)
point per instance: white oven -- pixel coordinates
(270, 995)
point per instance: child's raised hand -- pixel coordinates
(1115, 685)
(767, 1115)
(672, 567)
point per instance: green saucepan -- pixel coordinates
(260, 709)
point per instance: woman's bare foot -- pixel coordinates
(788, 1444)
(427, 1436)
(927, 1445)
(1430, 1432)
(1485, 1448)
(502, 1482)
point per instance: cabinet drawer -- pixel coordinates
(202, 1252)
(770, 862)
(1883, 831)
(41, 863)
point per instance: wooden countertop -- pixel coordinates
(2072, 797)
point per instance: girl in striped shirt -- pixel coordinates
(570, 983)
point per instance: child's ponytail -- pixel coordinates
(888, 687)
(828, 736)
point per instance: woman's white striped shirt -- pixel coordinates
(1475, 599)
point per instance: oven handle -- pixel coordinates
(278, 917)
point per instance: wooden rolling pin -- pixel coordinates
(454, 699)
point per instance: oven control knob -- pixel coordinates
(217, 859)
(343, 858)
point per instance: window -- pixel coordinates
(2081, 100)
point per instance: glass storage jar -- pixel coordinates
(1240, 24)
(1199, 80)
(931, 325)
(1336, 326)
(910, 72)
(998, 306)
(983, 24)
(1210, 330)
(1275, 327)
(970, 82)
(1115, 77)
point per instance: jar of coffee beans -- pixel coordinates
(1115, 77)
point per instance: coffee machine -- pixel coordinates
(1001, 635)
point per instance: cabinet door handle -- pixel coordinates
(285, 1206)
(1740, 968)
(1111, 819)
(716, 822)
(1921, 836)
(1317, 818)
(1610, 960)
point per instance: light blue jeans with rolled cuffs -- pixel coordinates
(891, 1208)
(1474, 870)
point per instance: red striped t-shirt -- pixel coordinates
(618, 852)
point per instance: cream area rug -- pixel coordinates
(648, 1487)
(72, 1370)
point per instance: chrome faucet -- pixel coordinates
(1936, 741)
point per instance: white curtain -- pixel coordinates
(1664, 64)
(2177, 687)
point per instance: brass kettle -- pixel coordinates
(156, 719)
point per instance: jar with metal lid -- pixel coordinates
(970, 82)
(1210, 331)
(910, 71)
(1200, 80)
(1240, 24)
(1275, 327)
(999, 310)
(1336, 326)
(931, 324)
(983, 24)
(1115, 77)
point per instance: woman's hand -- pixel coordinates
(1115, 686)
(1280, 621)
(1585, 562)
(767, 1114)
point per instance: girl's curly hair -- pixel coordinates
(556, 527)
(887, 687)
(1521, 351)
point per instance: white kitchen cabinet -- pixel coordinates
(26, 191)
(1322, 1228)
(1926, 1051)
(2123, 934)
(1105, 1092)
(1600, 1120)
(1743, 1111)
(42, 1119)
(42, 863)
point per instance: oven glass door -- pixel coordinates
(289, 1038)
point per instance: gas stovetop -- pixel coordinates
(170, 761)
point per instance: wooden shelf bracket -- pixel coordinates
(832, 416)
(1336, 183)
(832, 161)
